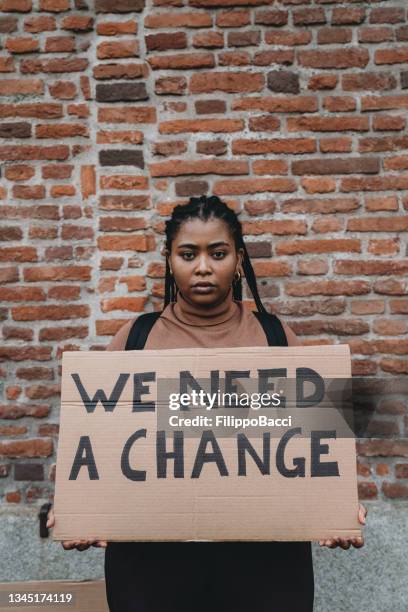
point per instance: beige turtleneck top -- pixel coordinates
(182, 325)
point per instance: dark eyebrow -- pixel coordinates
(212, 244)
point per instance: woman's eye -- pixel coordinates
(220, 253)
(187, 254)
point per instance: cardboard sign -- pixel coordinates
(133, 465)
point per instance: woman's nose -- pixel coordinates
(203, 264)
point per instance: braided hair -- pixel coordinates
(204, 208)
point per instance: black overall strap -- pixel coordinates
(273, 328)
(140, 330)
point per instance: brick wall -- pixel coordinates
(293, 111)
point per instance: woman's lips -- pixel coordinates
(203, 288)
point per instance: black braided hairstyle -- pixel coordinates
(204, 208)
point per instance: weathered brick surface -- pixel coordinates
(113, 112)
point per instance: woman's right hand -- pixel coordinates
(78, 544)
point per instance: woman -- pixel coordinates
(205, 258)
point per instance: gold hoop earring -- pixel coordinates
(239, 276)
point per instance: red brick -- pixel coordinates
(393, 327)
(384, 102)
(42, 233)
(366, 307)
(22, 44)
(318, 185)
(63, 333)
(32, 447)
(367, 490)
(233, 19)
(375, 35)
(271, 268)
(320, 206)
(119, 136)
(270, 17)
(312, 267)
(126, 114)
(182, 61)
(340, 327)
(180, 167)
(208, 40)
(52, 312)
(387, 15)
(21, 172)
(178, 20)
(117, 49)
(349, 15)
(390, 286)
(329, 287)
(124, 243)
(309, 15)
(274, 145)
(130, 70)
(398, 306)
(44, 23)
(116, 28)
(9, 274)
(271, 166)
(278, 227)
(77, 23)
(375, 81)
(335, 58)
(394, 366)
(395, 490)
(276, 104)
(230, 82)
(18, 254)
(323, 81)
(377, 183)
(22, 294)
(14, 87)
(318, 246)
(327, 225)
(383, 246)
(7, 64)
(328, 124)
(18, 411)
(133, 304)
(35, 373)
(64, 293)
(42, 391)
(334, 36)
(246, 186)
(57, 273)
(373, 267)
(33, 66)
(378, 224)
(181, 126)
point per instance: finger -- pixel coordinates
(362, 513)
(358, 542)
(345, 544)
(50, 518)
(69, 544)
(99, 544)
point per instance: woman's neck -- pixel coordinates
(192, 314)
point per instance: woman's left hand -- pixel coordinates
(347, 542)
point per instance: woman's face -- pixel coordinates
(204, 260)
